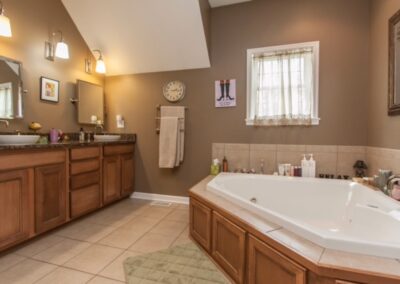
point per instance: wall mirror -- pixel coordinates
(11, 89)
(394, 65)
(90, 99)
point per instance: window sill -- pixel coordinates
(269, 123)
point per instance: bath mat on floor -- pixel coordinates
(183, 264)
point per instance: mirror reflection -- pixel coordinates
(10, 89)
(90, 103)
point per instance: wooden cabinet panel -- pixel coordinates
(127, 174)
(84, 180)
(111, 179)
(118, 149)
(15, 207)
(268, 266)
(200, 224)
(85, 153)
(84, 166)
(85, 200)
(26, 159)
(50, 197)
(229, 247)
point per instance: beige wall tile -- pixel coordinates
(346, 162)
(263, 147)
(289, 157)
(352, 149)
(311, 149)
(94, 258)
(238, 156)
(291, 148)
(218, 151)
(269, 157)
(326, 163)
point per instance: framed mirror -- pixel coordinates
(90, 103)
(11, 89)
(394, 65)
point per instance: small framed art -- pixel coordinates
(49, 90)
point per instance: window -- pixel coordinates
(6, 100)
(282, 85)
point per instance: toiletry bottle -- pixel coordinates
(81, 135)
(304, 166)
(225, 165)
(311, 167)
(215, 167)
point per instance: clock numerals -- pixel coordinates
(174, 91)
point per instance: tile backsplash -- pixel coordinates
(331, 159)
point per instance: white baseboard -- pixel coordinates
(160, 197)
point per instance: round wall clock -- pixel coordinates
(174, 91)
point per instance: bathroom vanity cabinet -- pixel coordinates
(239, 243)
(43, 188)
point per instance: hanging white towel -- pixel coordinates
(168, 148)
(179, 112)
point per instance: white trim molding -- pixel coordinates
(160, 197)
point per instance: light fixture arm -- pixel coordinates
(100, 53)
(1, 8)
(60, 33)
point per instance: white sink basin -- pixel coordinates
(18, 139)
(106, 138)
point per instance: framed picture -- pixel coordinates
(49, 90)
(225, 93)
(394, 65)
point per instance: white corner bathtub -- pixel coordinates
(335, 214)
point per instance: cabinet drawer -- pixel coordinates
(85, 200)
(85, 153)
(84, 166)
(85, 180)
(118, 149)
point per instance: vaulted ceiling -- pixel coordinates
(142, 36)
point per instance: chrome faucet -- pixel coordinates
(5, 122)
(98, 125)
(390, 183)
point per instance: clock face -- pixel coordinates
(174, 91)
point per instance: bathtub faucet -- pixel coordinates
(390, 184)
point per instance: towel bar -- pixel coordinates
(158, 107)
(158, 118)
(158, 130)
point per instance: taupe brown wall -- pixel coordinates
(342, 27)
(383, 130)
(32, 21)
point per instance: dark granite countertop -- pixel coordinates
(125, 138)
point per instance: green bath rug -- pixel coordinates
(183, 264)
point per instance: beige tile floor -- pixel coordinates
(92, 249)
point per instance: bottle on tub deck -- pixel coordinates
(304, 166)
(312, 166)
(225, 165)
(215, 167)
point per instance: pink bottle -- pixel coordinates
(53, 135)
(396, 192)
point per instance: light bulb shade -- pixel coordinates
(62, 50)
(100, 66)
(5, 26)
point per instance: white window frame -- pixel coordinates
(259, 51)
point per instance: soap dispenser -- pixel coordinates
(311, 166)
(215, 167)
(304, 167)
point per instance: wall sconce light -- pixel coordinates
(5, 26)
(100, 65)
(61, 50)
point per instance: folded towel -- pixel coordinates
(168, 142)
(177, 111)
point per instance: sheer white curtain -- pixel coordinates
(283, 88)
(6, 100)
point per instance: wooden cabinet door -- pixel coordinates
(50, 197)
(15, 207)
(229, 247)
(111, 179)
(200, 224)
(127, 174)
(268, 266)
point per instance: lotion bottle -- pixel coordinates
(304, 166)
(215, 167)
(311, 167)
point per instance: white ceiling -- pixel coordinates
(218, 3)
(141, 36)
